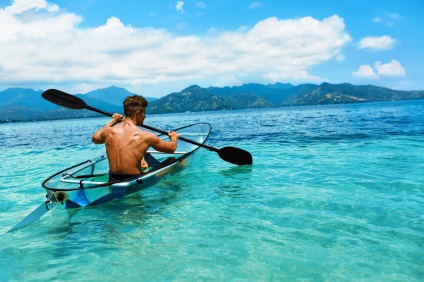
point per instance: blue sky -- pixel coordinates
(157, 47)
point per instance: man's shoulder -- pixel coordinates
(146, 133)
(138, 131)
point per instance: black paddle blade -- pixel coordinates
(235, 156)
(64, 99)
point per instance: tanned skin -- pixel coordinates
(126, 144)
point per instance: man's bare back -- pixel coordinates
(126, 144)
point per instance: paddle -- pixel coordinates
(230, 154)
(35, 214)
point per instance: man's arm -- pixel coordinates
(163, 146)
(99, 137)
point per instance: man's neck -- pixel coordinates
(131, 121)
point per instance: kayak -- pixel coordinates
(89, 183)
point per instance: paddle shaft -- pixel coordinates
(155, 129)
(229, 154)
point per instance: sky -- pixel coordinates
(154, 48)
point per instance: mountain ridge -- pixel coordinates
(24, 104)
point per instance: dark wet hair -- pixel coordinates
(133, 104)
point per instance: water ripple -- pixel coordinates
(334, 192)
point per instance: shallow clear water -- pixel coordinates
(335, 193)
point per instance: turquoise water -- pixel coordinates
(336, 193)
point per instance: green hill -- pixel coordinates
(193, 98)
(18, 104)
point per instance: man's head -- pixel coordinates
(135, 103)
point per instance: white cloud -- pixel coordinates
(394, 16)
(340, 57)
(377, 20)
(365, 71)
(388, 19)
(391, 69)
(380, 43)
(179, 6)
(20, 6)
(201, 5)
(52, 50)
(254, 5)
(394, 68)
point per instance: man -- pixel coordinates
(126, 144)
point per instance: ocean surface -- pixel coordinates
(335, 193)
